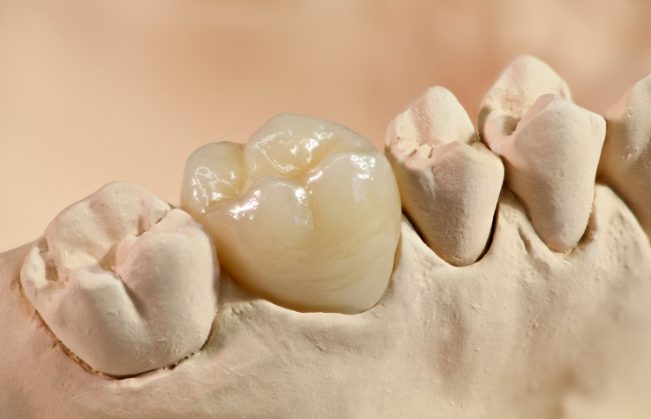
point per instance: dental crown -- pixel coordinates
(306, 214)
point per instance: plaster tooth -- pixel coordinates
(449, 183)
(626, 157)
(312, 216)
(549, 145)
(123, 281)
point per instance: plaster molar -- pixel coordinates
(549, 145)
(126, 283)
(449, 182)
(306, 214)
(626, 158)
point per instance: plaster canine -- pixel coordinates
(549, 145)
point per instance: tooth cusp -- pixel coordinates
(507, 104)
(316, 222)
(434, 118)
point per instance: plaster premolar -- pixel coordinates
(549, 145)
(449, 181)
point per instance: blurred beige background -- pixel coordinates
(97, 91)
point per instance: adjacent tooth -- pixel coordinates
(626, 157)
(449, 183)
(123, 281)
(549, 145)
(307, 214)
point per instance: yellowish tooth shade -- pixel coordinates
(307, 214)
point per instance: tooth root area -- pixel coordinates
(316, 223)
(125, 290)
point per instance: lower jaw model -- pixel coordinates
(498, 274)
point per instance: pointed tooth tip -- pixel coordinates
(637, 95)
(435, 117)
(528, 61)
(561, 112)
(528, 65)
(518, 87)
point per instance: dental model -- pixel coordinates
(120, 312)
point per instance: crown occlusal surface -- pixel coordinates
(124, 281)
(626, 158)
(306, 214)
(549, 145)
(449, 182)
